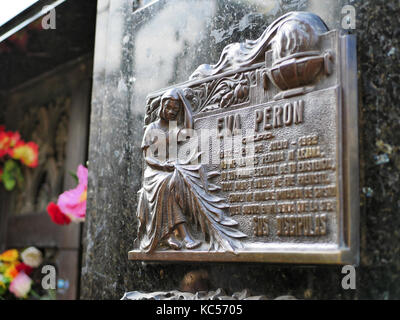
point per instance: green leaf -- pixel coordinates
(6, 281)
(73, 175)
(10, 165)
(9, 181)
(12, 175)
(51, 295)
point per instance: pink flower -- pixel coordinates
(73, 202)
(21, 285)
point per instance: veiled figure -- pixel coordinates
(175, 191)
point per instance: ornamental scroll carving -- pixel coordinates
(293, 44)
(180, 204)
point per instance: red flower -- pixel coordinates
(5, 143)
(8, 140)
(56, 214)
(23, 267)
(14, 138)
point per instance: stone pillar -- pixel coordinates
(140, 51)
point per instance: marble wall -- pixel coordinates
(162, 43)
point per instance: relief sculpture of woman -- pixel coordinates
(177, 195)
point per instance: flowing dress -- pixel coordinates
(169, 198)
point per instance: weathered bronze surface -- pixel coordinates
(255, 158)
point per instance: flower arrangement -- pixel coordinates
(14, 151)
(15, 269)
(71, 205)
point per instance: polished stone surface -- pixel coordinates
(162, 44)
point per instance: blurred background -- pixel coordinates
(46, 62)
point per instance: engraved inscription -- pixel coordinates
(289, 178)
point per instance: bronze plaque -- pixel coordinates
(255, 158)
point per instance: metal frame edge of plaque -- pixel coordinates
(297, 201)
